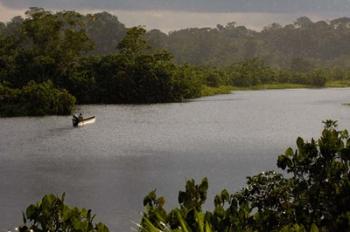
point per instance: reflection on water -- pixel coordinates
(111, 165)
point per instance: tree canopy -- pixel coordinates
(98, 60)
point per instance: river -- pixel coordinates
(131, 150)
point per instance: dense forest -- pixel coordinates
(96, 59)
(35, 100)
(313, 197)
(55, 48)
(315, 43)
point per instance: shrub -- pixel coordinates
(51, 214)
(314, 197)
(35, 100)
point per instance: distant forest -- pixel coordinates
(300, 45)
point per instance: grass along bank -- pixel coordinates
(338, 84)
(329, 84)
(210, 91)
(273, 86)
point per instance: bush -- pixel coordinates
(35, 100)
(51, 214)
(317, 78)
(314, 197)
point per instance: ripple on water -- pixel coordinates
(109, 166)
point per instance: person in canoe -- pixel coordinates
(77, 119)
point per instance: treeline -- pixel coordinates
(135, 74)
(313, 197)
(35, 100)
(97, 60)
(320, 43)
(254, 72)
(56, 47)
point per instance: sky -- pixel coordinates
(169, 15)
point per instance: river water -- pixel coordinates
(111, 165)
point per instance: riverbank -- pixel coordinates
(329, 84)
(211, 91)
(227, 89)
(273, 86)
(35, 99)
(13, 110)
(338, 84)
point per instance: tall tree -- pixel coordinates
(48, 46)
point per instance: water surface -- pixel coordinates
(111, 165)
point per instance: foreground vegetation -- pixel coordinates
(313, 197)
(51, 214)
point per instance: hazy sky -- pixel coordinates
(169, 15)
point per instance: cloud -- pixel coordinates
(6, 13)
(258, 6)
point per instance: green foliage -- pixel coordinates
(134, 42)
(45, 47)
(317, 78)
(250, 73)
(35, 100)
(122, 67)
(105, 31)
(136, 74)
(51, 214)
(313, 197)
(209, 91)
(188, 82)
(50, 47)
(321, 174)
(254, 73)
(301, 45)
(186, 218)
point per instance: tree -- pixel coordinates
(301, 65)
(105, 30)
(134, 43)
(35, 100)
(47, 47)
